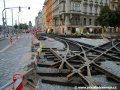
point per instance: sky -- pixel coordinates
(25, 15)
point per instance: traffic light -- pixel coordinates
(28, 8)
(19, 9)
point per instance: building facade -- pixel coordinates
(44, 18)
(70, 16)
(48, 5)
(38, 20)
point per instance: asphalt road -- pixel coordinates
(14, 58)
(5, 42)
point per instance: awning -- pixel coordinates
(92, 26)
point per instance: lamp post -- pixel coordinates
(4, 19)
(5, 13)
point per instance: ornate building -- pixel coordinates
(76, 15)
(44, 18)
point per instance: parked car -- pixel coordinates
(27, 31)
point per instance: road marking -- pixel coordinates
(4, 49)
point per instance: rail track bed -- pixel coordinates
(80, 64)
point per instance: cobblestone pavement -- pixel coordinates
(15, 58)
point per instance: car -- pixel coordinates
(27, 31)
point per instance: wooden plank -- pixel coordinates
(61, 81)
(52, 73)
(44, 64)
(33, 85)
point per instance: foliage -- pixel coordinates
(23, 26)
(20, 26)
(15, 26)
(76, 33)
(108, 17)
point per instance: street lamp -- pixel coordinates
(4, 19)
(18, 14)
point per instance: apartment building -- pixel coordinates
(48, 4)
(44, 18)
(70, 16)
(38, 20)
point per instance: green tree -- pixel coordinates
(104, 17)
(15, 26)
(108, 17)
(118, 16)
(26, 26)
(20, 26)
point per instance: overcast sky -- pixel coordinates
(25, 15)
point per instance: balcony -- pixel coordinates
(85, 2)
(63, 11)
(85, 13)
(90, 2)
(75, 11)
(91, 13)
(101, 3)
(96, 3)
(76, 0)
(96, 14)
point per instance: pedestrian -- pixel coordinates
(88, 33)
(81, 33)
(65, 33)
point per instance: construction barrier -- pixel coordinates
(104, 38)
(17, 36)
(18, 82)
(40, 49)
(32, 42)
(11, 39)
(10, 88)
(35, 61)
(20, 35)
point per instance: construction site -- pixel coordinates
(60, 62)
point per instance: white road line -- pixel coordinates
(4, 49)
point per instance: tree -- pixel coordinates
(108, 17)
(26, 26)
(15, 26)
(104, 17)
(20, 26)
(23, 26)
(118, 17)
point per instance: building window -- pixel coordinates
(85, 8)
(75, 21)
(101, 0)
(84, 22)
(106, 1)
(76, 7)
(90, 9)
(113, 7)
(95, 10)
(96, 1)
(90, 21)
